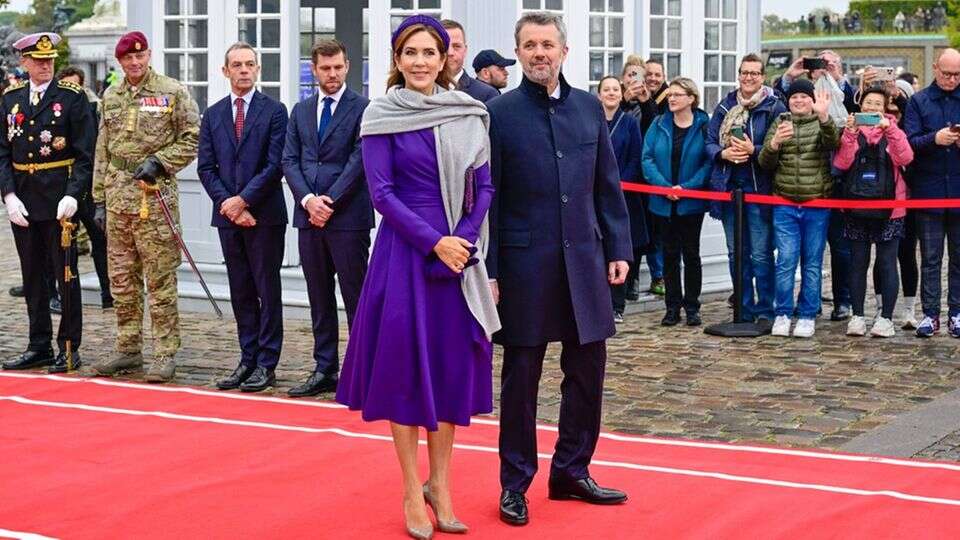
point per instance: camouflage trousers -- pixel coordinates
(138, 249)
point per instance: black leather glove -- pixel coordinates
(149, 170)
(100, 216)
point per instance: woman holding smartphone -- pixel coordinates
(867, 137)
(738, 126)
(637, 103)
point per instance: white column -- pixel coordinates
(379, 46)
(575, 15)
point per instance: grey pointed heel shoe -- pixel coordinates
(454, 526)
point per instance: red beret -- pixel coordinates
(130, 42)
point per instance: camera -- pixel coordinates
(811, 64)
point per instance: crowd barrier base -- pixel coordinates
(738, 327)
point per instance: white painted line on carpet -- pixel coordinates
(488, 422)
(175, 389)
(493, 422)
(488, 449)
(18, 535)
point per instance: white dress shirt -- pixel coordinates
(247, 98)
(333, 106)
(39, 88)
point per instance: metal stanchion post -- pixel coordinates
(738, 327)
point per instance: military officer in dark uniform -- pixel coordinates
(45, 170)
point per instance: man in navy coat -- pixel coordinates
(456, 54)
(241, 143)
(560, 236)
(332, 209)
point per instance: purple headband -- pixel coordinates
(424, 20)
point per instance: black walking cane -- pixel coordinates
(66, 241)
(738, 327)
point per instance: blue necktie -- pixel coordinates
(325, 117)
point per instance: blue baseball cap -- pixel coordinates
(490, 57)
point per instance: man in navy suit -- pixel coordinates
(560, 236)
(456, 54)
(241, 144)
(332, 209)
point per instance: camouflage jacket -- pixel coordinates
(157, 118)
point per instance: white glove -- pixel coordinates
(16, 210)
(67, 207)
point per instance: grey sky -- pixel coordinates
(792, 9)
(24, 5)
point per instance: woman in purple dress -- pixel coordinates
(419, 353)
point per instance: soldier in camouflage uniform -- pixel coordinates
(149, 130)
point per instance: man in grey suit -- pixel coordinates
(456, 54)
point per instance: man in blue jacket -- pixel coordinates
(456, 55)
(932, 124)
(751, 108)
(241, 142)
(324, 169)
(560, 236)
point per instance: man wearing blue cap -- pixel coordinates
(491, 68)
(46, 161)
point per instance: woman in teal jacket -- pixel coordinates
(674, 156)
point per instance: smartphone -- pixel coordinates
(737, 132)
(866, 119)
(786, 117)
(885, 74)
(631, 75)
(811, 64)
(955, 128)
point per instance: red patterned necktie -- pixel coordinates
(238, 123)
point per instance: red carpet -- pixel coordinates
(104, 459)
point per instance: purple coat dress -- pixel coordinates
(416, 355)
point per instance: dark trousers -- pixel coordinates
(253, 256)
(40, 255)
(619, 292)
(839, 260)
(580, 406)
(885, 271)
(907, 254)
(932, 228)
(98, 247)
(680, 239)
(326, 255)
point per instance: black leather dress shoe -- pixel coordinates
(260, 379)
(670, 318)
(60, 365)
(585, 490)
(316, 384)
(30, 360)
(16, 292)
(238, 377)
(693, 318)
(513, 508)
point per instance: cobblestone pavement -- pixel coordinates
(670, 382)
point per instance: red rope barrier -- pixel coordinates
(723, 196)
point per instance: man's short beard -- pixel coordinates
(540, 77)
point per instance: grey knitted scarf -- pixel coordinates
(460, 129)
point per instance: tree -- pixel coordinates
(55, 16)
(773, 24)
(953, 22)
(44, 14)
